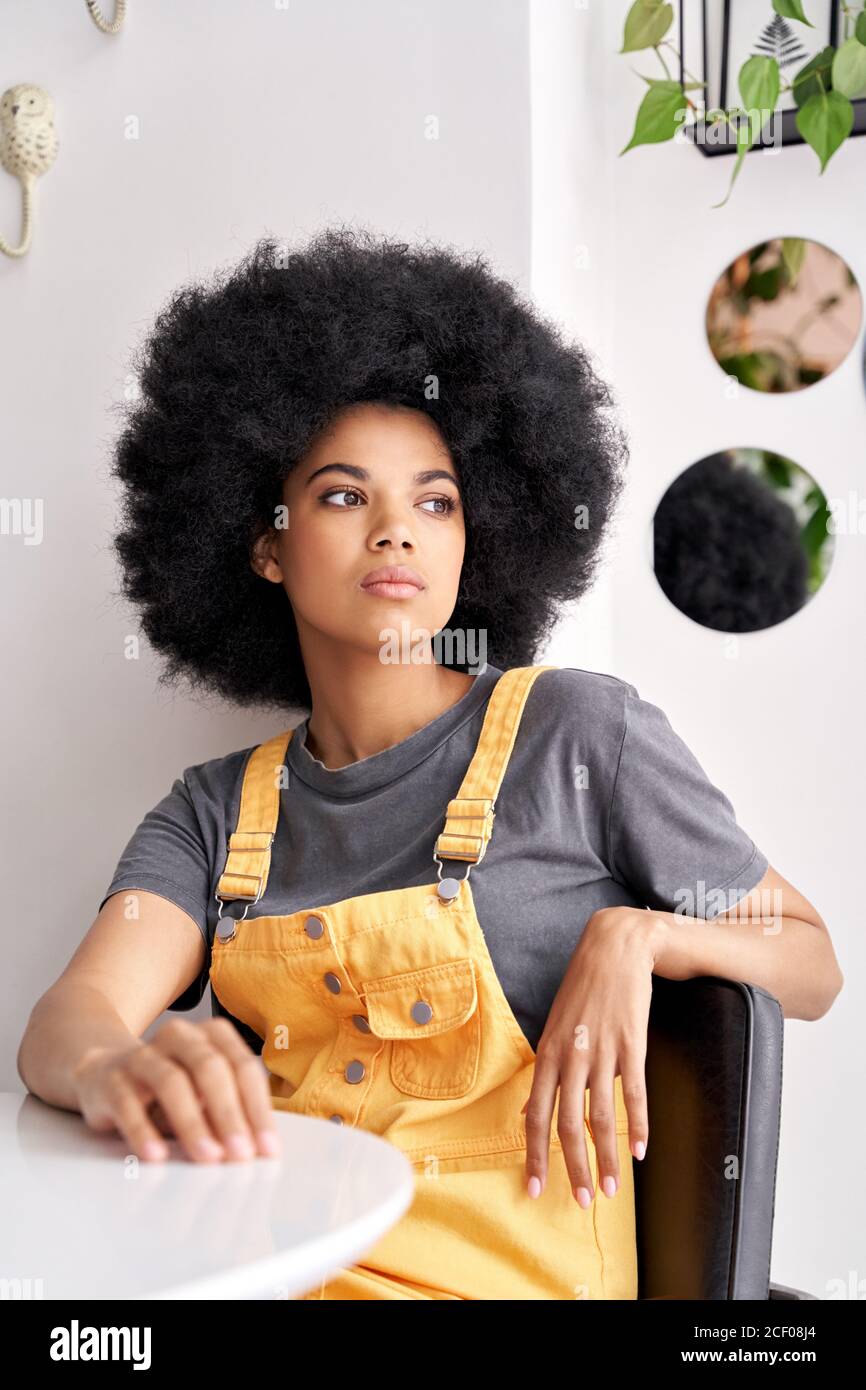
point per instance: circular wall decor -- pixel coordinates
(783, 314)
(741, 541)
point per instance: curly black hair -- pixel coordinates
(727, 550)
(236, 379)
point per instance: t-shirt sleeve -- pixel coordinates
(167, 854)
(673, 835)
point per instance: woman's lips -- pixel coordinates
(383, 589)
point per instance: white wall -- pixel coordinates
(573, 272)
(252, 119)
(778, 725)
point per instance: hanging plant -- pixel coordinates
(823, 88)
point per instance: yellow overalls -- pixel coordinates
(384, 1011)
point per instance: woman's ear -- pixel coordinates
(263, 559)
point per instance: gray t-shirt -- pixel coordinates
(601, 804)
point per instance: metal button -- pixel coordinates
(355, 1072)
(314, 926)
(337, 1119)
(422, 1012)
(226, 928)
(333, 983)
(360, 1023)
(448, 889)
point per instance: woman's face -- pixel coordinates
(378, 488)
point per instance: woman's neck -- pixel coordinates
(373, 706)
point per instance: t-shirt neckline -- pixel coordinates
(391, 763)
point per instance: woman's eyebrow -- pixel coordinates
(428, 475)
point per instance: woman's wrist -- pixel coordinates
(90, 1054)
(69, 1028)
(632, 930)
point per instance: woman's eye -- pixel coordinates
(449, 504)
(340, 492)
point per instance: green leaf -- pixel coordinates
(815, 77)
(792, 9)
(652, 81)
(793, 256)
(762, 371)
(763, 284)
(814, 533)
(659, 115)
(759, 86)
(746, 133)
(849, 69)
(646, 24)
(860, 27)
(778, 470)
(825, 122)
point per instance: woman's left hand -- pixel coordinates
(597, 1029)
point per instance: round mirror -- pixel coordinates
(741, 540)
(784, 314)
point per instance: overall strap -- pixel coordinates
(468, 823)
(249, 858)
(470, 815)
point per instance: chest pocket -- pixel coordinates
(432, 1019)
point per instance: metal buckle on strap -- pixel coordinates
(469, 835)
(258, 879)
(449, 888)
(470, 815)
(226, 935)
(468, 863)
(460, 835)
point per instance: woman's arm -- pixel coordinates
(773, 937)
(597, 1026)
(123, 975)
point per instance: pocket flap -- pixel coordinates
(422, 1003)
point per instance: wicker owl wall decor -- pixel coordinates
(28, 148)
(28, 141)
(108, 26)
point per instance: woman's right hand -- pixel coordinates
(198, 1082)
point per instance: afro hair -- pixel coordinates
(237, 377)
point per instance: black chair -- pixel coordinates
(705, 1193)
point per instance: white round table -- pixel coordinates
(82, 1218)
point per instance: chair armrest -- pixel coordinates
(781, 1291)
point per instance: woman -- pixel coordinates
(494, 1029)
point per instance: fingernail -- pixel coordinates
(533, 1187)
(269, 1141)
(207, 1148)
(152, 1150)
(639, 1149)
(239, 1146)
(608, 1187)
(584, 1196)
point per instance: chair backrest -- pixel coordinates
(705, 1191)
